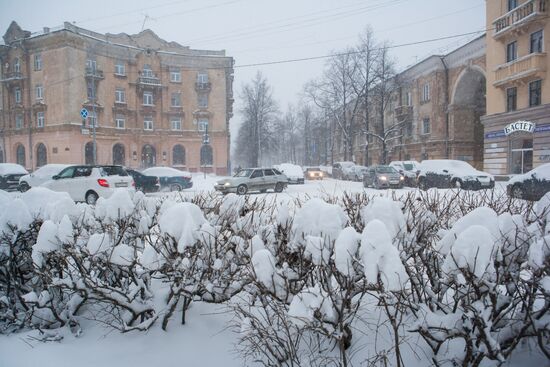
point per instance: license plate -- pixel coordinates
(121, 184)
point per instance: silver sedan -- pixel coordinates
(253, 179)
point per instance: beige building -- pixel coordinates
(518, 86)
(150, 102)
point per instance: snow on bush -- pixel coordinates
(182, 221)
(309, 304)
(320, 219)
(345, 250)
(118, 206)
(387, 211)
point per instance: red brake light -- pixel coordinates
(102, 182)
(133, 183)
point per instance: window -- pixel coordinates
(120, 95)
(203, 100)
(409, 99)
(202, 77)
(91, 65)
(257, 173)
(175, 75)
(426, 126)
(41, 155)
(512, 4)
(20, 155)
(536, 41)
(17, 95)
(147, 71)
(511, 99)
(120, 122)
(176, 100)
(17, 65)
(40, 119)
(426, 92)
(92, 119)
(37, 62)
(511, 51)
(90, 90)
(18, 121)
(39, 92)
(268, 172)
(148, 123)
(148, 98)
(120, 68)
(535, 93)
(175, 123)
(118, 159)
(178, 155)
(203, 124)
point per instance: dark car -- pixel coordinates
(381, 176)
(531, 185)
(10, 173)
(143, 182)
(342, 170)
(448, 173)
(170, 178)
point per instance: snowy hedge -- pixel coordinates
(314, 282)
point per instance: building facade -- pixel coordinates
(518, 86)
(149, 102)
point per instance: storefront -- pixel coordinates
(515, 145)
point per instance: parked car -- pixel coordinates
(41, 175)
(88, 183)
(358, 172)
(253, 179)
(448, 173)
(531, 185)
(143, 182)
(408, 169)
(380, 177)
(293, 172)
(342, 170)
(314, 173)
(170, 178)
(10, 173)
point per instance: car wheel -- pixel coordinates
(517, 192)
(91, 198)
(23, 186)
(175, 187)
(242, 189)
(279, 187)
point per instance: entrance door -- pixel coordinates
(521, 155)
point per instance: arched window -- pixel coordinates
(89, 153)
(119, 157)
(148, 156)
(20, 155)
(1, 155)
(178, 155)
(207, 157)
(41, 155)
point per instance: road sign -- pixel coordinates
(84, 113)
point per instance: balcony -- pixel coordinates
(524, 67)
(11, 77)
(403, 113)
(203, 86)
(94, 73)
(518, 17)
(148, 82)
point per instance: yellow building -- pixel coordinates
(517, 122)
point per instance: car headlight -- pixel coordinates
(401, 178)
(383, 178)
(227, 184)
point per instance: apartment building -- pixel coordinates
(517, 123)
(149, 102)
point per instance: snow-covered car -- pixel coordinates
(41, 175)
(408, 169)
(343, 170)
(448, 173)
(314, 173)
(531, 185)
(88, 183)
(10, 173)
(170, 178)
(293, 172)
(381, 177)
(358, 172)
(253, 179)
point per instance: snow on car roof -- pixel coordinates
(50, 169)
(165, 172)
(12, 168)
(541, 172)
(439, 165)
(290, 169)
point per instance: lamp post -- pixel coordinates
(205, 142)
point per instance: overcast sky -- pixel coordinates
(258, 31)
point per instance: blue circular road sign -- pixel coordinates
(84, 113)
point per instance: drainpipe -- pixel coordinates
(28, 110)
(446, 104)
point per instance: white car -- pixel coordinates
(408, 169)
(293, 172)
(88, 183)
(41, 175)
